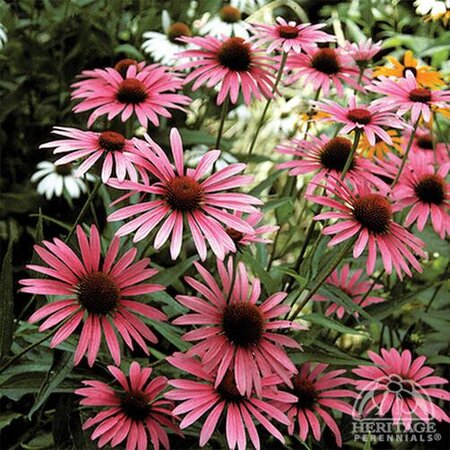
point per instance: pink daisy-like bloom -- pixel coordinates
(406, 95)
(97, 289)
(234, 63)
(223, 399)
(426, 145)
(352, 285)
(147, 93)
(362, 52)
(400, 385)
(322, 68)
(181, 195)
(367, 215)
(317, 392)
(91, 146)
(368, 119)
(135, 412)
(326, 156)
(237, 334)
(253, 219)
(426, 190)
(286, 36)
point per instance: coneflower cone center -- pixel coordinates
(373, 212)
(230, 14)
(111, 141)
(176, 30)
(131, 90)
(288, 32)
(325, 60)
(228, 389)
(305, 390)
(98, 293)
(431, 189)
(420, 95)
(243, 324)
(123, 64)
(63, 169)
(360, 115)
(400, 387)
(184, 193)
(235, 54)
(413, 70)
(335, 153)
(135, 405)
(425, 142)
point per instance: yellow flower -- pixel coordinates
(425, 75)
(444, 16)
(380, 148)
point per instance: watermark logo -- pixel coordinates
(392, 397)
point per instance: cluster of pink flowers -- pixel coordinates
(239, 363)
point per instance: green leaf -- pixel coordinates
(7, 417)
(265, 184)
(169, 276)
(267, 281)
(17, 385)
(328, 323)
(170, 333)
(6, 302)
(52, 220)
(129, 50)
(338, 296)
(61, 367)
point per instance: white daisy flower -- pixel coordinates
(3, 36)
(227, 22)
(59, 180)
(432, 7)
(163, 47)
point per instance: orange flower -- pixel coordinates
(380, 148)
(425, 75)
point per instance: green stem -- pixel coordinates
(323, 276)
(27, 349)
(349, 161)
(84, 209)
(266, 108)
(440, 133)
(223, 116)
(405, 156)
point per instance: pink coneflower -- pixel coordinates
(426, 190)
(91, 146)
(317, 391)
(223, 399)
(362, 52)
(147, 93)
(238, 334)
(367, 214)
(399, 385)
(286, 36)
(406, 95)
(136, 412)
(368, 119)
(97, 294)
(323, 68)
(253, 219)
(233, 63)
(352, 285)
(425, 144)
(180, 195)
(325, 156)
